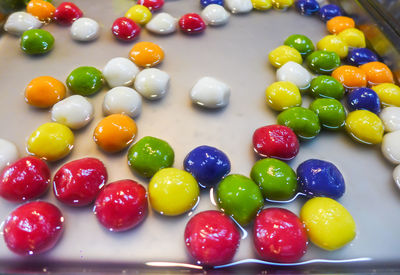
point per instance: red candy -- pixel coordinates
(212, 238)
(125, 29)
(279, 236)
(192, 23)
(33, 228)
(25, 179)
(121, 205)
(78, 182)
(152, 5)
(67, 13)
(276, 141)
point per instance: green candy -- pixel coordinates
(302, 121)
(37, 41)
(330, 112)
(239, 197)
(9, 6)
(326, 86)
(149, 155)
(323, 62)
(301, 43)
(85, 81)
(276, 179)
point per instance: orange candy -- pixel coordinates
(43, 10)
(377, 73)
(350, 76)
(115, 132)
(339, 23)
(146, 54)
(44, 91)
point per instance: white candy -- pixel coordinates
(162, 23)
(390, 117)
(391, 147)
(74, 111)
(295, 73)
(152, 83)
(215, 15)
(122, 100)
(239, 6)
(8, 153)
(396, 175)
(120, 71)
(20, 21)
(210, 93)
(85, 29)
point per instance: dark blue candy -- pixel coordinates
(205, 3)
(307, 7)
(359, 56)
(329, 11)
(364, 99)
(319, 178)
(207, 164)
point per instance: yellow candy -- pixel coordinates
(283, 95)
(261, 5)
(365, 127)
(140, 14)
(329, 225)
(284, 54)
(51, 141)
(353, 37)
(333, 43)
(282, 4)
(388, 93)
(173, 192)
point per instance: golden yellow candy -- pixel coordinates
(353, 37)
(283, 95)
(388, 93)
(364, 126)
(333, 43)
(282, 4)
(51, 141)
(284, 54)
(140, 14)
(329, 225)
(262, 5)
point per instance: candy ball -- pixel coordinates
(41, 9)
(207, 164)
(334, 43)
(152, 5)
(152, 83)
(326, 86)
(282, 4)
(390, 117)
(120, 71)
(146, 54)
(162, 23)
(19, 22)
(173, 192)
(364, 99)
(360, 56)
(329, 11)
(302, 121)
(149, 155)
(323, 62)
(329, 225)
(295, 73)
(284, 54)
(339, 23)
(85, 81)
(66, 13)
(8, 153)
(262, 5)
(215, 15)
(210, 93)
(192, 23)
(85, 29)
(377, 73)
(353, 37)
(125, 29)
(331, 113)
(205, 3)
(282, 95)
(390, 147)
(51, 141)
(307, 7)
(139, 13)
(239, 6)
(74, 111)
(122, 100)
(37, 41)
(364, 126)
(388, 93)
(301, 43)
(396, 175)
(351, 77)
(44, 92)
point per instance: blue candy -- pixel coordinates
(364, 99)
(319, 178)
(205, 3)
(207, 164)
(307, 7)
(329, 11)
(359, 56)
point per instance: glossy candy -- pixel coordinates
(334, 43)
(331, 113)
(279, 236)
(139, 13)
(66, 13)
(215, 15)
(351, 77)
(85, 81)
(8, 153)
(152, 83)
(377, 73)
(390, 147)
(149, 155)
(364, 99)
(262, 5)
(152, 5)
(205, 3)
(75, 112)
(207, 164)
(125, 29)
(282, 4)
(301, 43)
(33, 228)
(85, 29)
(396, 175)
(353, 37)
(211, 238)
(121, 205)
(329, 225)
(19, 22)
(37, 42)
(302, 121)
(44, 92)
(360, 56)
(162, 23)
(41, 9)
(122, 100)
(364, 126)
(388, 93)
(146, 54)
(282, 95)
(173, 192)
(390, 117)
(295, 73)
(192, 23)
(339, 23)
(275, 178)
(284, 54)
(120, 71)
(210, 93)
(323, 62)
(239, 6)
(307, 7)
(326, 86)
(239, 197)
(329, 11)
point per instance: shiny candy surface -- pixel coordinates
(377, 73)
(390, 117)
(8, 153)
(262, 5)
(173, 192)
(284, 54)
(364, 126)
(331, 113)
(302, 121)
(239, 6)
(396, 175)
(139, 13)
(146, 54)
(162, 23)
(44, 92)
(51, 141)
(329, 225)
(295, 73)
(340, 23)
(329, 11)
(205, 3)
(388, 93)
(41, 9)
(75, 112)
(210, 93)
(152, 83)
(122, 100)
(391, 147)
(85, 81)
(360, 56)
(192, 23)
(85, 29)
(282, 4)
(120, 71)
(152, 5)
(19, 22)
(301, 43)
(307, 7)
(37, 42)
(66, 13)
(323, 62)
(353, 37)
(351, 77)
(125, 29)
(364, 99)
(333, 43)
(326, 86)
(215, 15)
(283, 95)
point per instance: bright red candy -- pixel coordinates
(78, 182)
(279, 236)
(192, 23)
(67, 13)
(33, 228)
(212, 238)
(25, 179)
(121, 205)
(125, 29)
(152, 5)
(276, 141)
